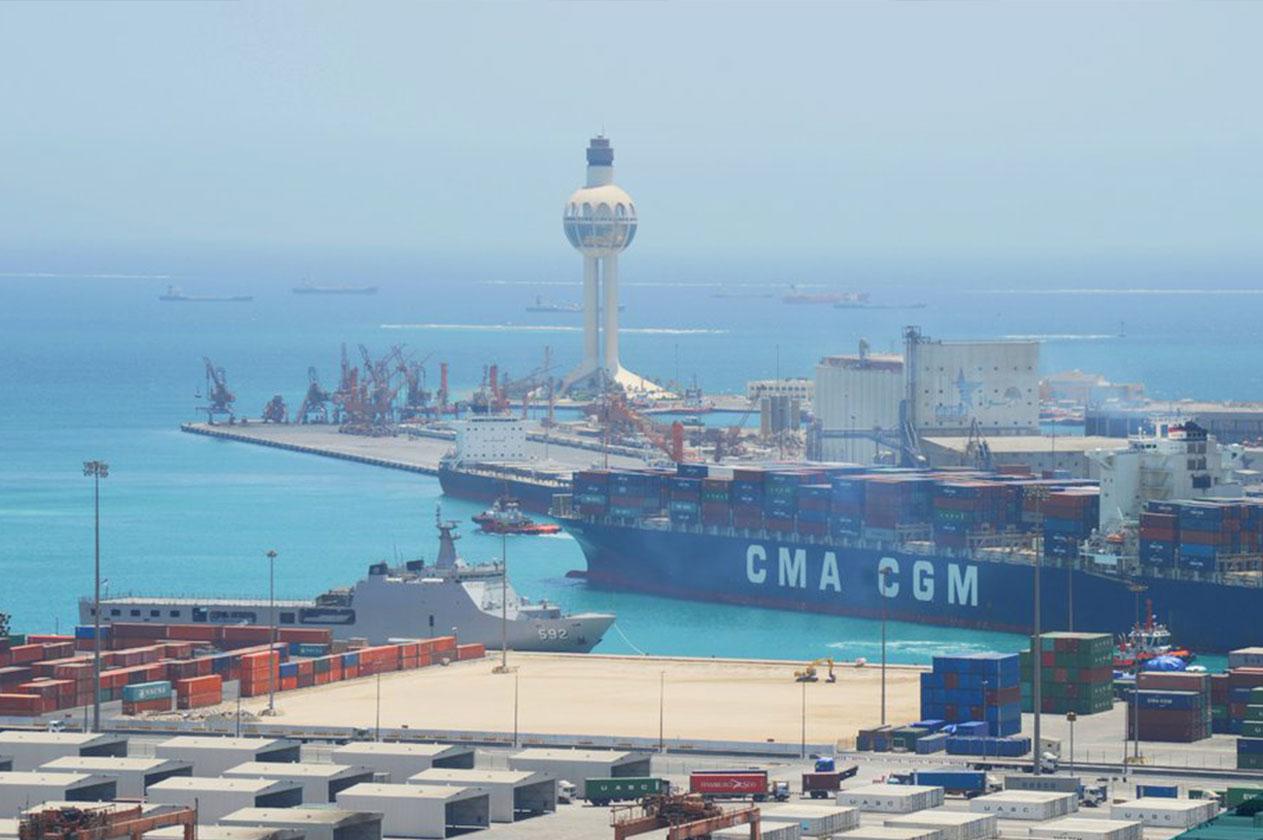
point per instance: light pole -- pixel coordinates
(1071, 717)
(662, 702)
(1036, 672)
(1136, 589)
(803, 748)
(96, 470)
(515, 707)
(377, 719)
(884, 572)
(504, 604)
(273, 659)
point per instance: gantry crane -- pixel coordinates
(276, 411)
(683, 815)
(219, 399)
(102, 821)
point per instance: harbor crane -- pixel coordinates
(219, 399)
(416, 399)
(276, 411)
(315, 407)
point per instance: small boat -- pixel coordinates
(1147, 641)
(797, 296)
(307, 289)
(506, 517)
(176, 295)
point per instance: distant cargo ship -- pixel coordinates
(848, 304)
(334, 290)
(799, 297)
(175, 294)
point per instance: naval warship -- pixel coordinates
(474, 602)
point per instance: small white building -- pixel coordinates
(1078, 828)
(1026, 804)
(314, 823)
(212, 755)
(891, 799)
(402, 761)
(320, 782)
(215, 798)
(20, 789)
(1165, 813)
(224, 832)
(31, 750)
(577, 765)
(954, 825)
(134, 775)
(512, 792)
(813, 819)
(415, 810)
(491, 438)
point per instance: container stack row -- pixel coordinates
(981, 687)
(1250, 744)
(1170, 707)
(1076, 673)
(1070, 516)
(1196, 534)
(45, 674)
(842, 501)
(1233, 693)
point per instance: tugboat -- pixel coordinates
(506, 517)
(1147, 641)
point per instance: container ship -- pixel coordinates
(174, 294)
(958, 548)
(334, 290)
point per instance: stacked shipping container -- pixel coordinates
(1070, 516)
(1076, 673)
(1170, 707)
(981, 687)
(1196, 534)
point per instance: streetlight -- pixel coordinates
(273, 668)
(1036, 672)
(1071, 717)
(96, 470)
(1136, 589)
(884, 572)
(803, 750)
(662, 698)
(504, 606)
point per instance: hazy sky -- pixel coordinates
(919, 131)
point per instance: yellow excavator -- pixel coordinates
(809, 674)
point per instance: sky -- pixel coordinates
(135, 135)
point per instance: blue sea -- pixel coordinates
(93, 366)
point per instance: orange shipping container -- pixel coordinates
(22, 704)
(195, 632)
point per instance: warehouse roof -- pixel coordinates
(100, 763)
(445, 793)
(212, 742)
(476, 777)
(1034, 444)
(225, 832)
(73, 738)
(292, 768)
(297, 816)
(546, 754)
(397, 748)
(200, 783)
(37, 778)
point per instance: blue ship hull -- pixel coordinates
(780, 572)
(532, 496)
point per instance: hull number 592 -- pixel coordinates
(553, 633)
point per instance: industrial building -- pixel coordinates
(414, 810)
(320, 782)
(133, 775)
(857, 403)
(215, 798)
(401, 762)
(314, 823)
(1061, 455)
(19, 789)
(1226, 422)
(512, 792)
(212, 755)
(577, 765)
(31, 750)
(798, 388)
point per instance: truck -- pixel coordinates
(823, 784)
(737, 784)
(955, 781)
(604, 791)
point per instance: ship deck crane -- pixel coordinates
(219, 399)
(683, 815)
(102, 823)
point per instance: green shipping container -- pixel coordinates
(1249, 762)
(1240, 794)
(156, 690)
(602, 791)
(1252, 729)
(1253, 712)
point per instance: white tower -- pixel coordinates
(600, 221)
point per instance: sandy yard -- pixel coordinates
(603, 695)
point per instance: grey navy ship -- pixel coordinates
(415, 600)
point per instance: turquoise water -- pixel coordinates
(97, 368)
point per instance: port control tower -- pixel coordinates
(600, 222)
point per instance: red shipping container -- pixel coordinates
(476, 651)
(22, 705)
(195, 632)
(25, 654)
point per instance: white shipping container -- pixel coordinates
(771, 831)
(891, 799)
(1251, 657)
(881, 832)
(1165, 813)
(814, 820)
(1025, 804)
(955, 825)
(1078, 828)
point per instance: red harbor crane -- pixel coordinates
(102, 821)
(683, 815)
